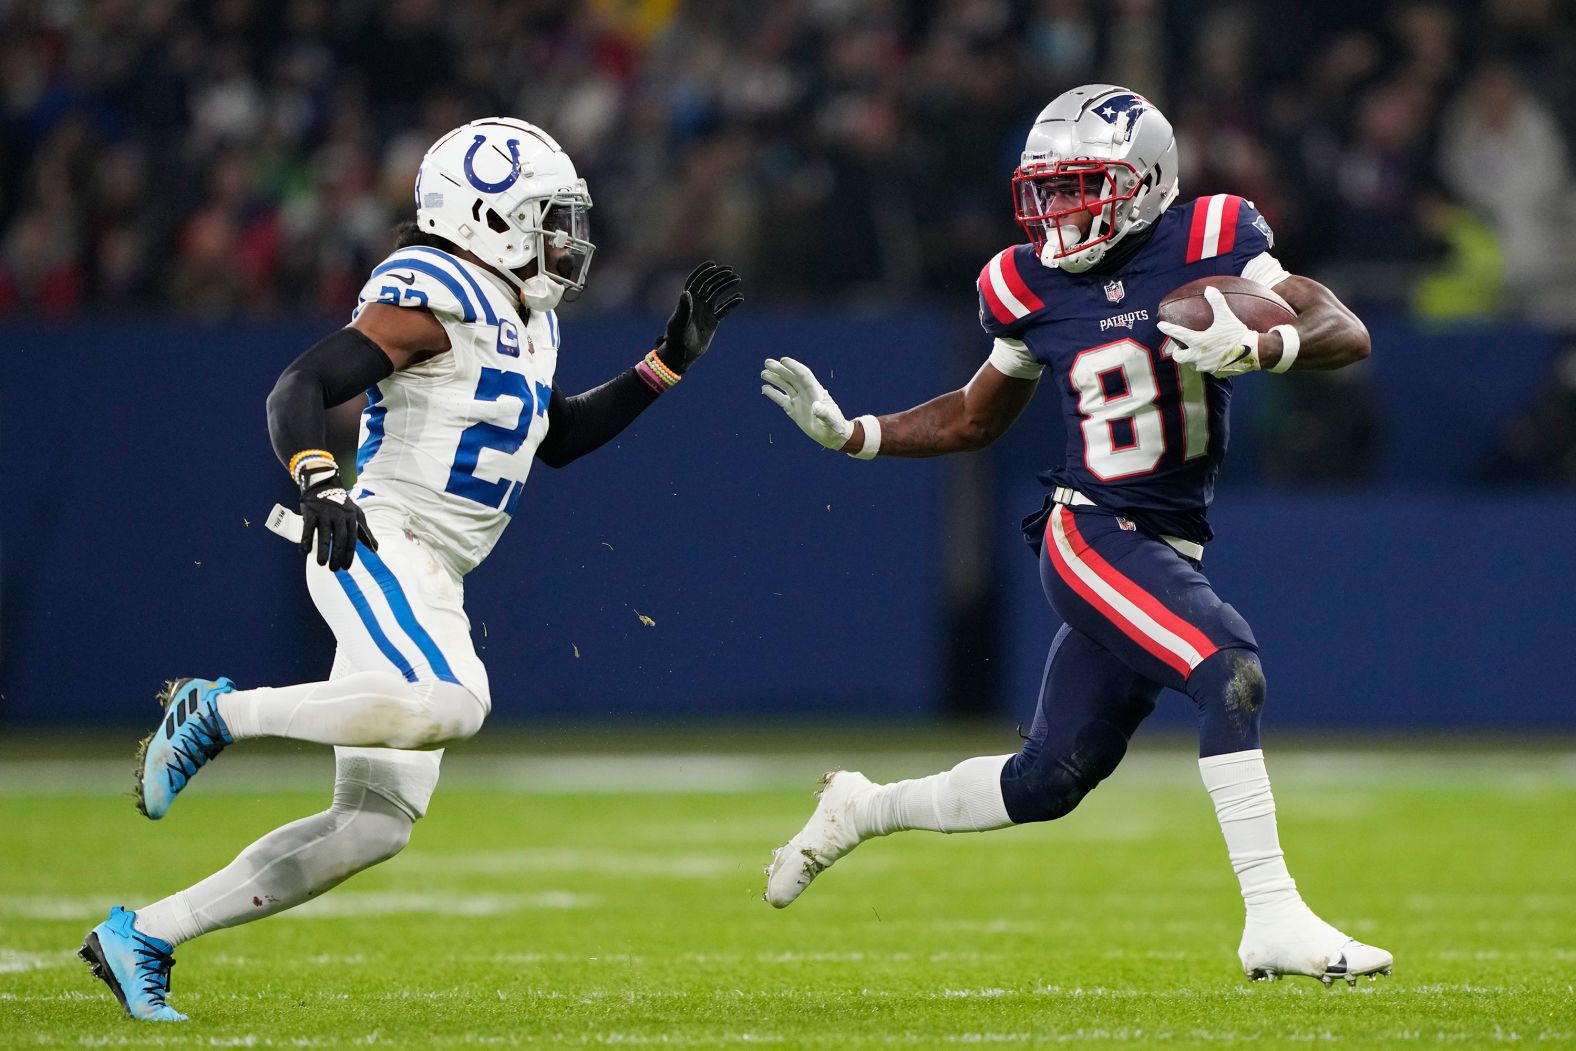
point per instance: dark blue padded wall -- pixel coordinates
(782, 579)
(1392, 610)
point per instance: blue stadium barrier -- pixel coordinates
(1375, 610)
(782, 579)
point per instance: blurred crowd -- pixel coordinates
(239, 158)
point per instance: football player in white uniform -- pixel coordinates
(454, 341)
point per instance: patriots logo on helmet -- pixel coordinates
(1122, 113)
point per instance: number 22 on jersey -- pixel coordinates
(496, 384)
(1119, 398)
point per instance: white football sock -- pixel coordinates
(966, 798)
(369, 709)
(1240, 787)
(286, 867)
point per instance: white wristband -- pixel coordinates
(872, 438)
(1291, 343)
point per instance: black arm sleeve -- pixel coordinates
(334, 370)
(579, 424)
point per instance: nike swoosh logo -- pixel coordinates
(408, 279)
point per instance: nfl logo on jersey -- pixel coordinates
(1114, 292)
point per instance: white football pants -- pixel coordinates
(399, 621)
(399, 609)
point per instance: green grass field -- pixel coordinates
(562, 900)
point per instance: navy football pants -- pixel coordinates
(1138, 616)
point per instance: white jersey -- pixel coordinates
(452, 439)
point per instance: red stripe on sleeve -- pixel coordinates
(1015, 282)
(1195, 236)
(992, 300)
(1228, 224)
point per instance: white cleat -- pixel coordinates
(828, 835)
(1308, 946)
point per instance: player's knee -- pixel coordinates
(415, 729)
(1040, 786)
(1053, 789)
(1229, 691)
(1246, 688)
(371, 827)
(457, 711)
(381, 835)
(1232, 680)
(438, 714)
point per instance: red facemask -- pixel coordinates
(1038, 187)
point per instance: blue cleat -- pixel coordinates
(191, 734)
(134, 966)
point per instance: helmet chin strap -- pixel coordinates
(1077, 262)
(535, 292)
(540, 293)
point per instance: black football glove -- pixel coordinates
(331, 518)
(710, 292)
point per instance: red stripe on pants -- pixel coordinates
(1070, 577)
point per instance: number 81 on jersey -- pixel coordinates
(1121, 396)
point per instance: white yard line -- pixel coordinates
(15, 961)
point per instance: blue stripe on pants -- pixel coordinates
(405, 615)
(359, 601)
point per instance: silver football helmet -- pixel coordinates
(504, 190)
(1109, 149)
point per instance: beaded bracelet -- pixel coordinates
(656, 373)
(310, 460)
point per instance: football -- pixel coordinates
(1256, 305)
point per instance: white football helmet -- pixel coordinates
(1111, 149)
(504, 190)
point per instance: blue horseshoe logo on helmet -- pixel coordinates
(502, 184)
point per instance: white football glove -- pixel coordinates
(794, 389)
(1226, 348)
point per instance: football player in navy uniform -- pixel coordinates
(1122, 531)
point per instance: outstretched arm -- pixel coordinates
(585, 422)
(965, 419)
(960, 421)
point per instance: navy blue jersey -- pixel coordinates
(1145, 436)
